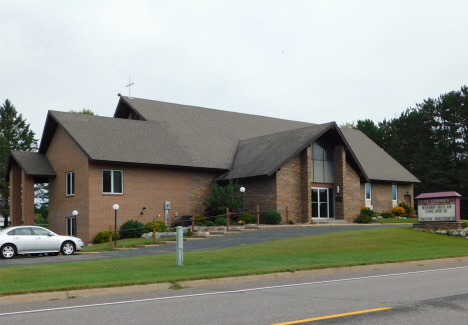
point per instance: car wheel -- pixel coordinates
(8, 251)
(68, 248)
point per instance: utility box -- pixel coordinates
(439, 207)
(167, 205)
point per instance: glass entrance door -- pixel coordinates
(322, 203)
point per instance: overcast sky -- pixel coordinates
(312, 61)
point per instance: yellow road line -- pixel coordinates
(333, 316)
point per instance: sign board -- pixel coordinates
(437, 209)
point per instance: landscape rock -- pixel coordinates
(463, 233)
(455, 233)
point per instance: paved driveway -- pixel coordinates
(191, 246)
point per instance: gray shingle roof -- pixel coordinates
(179, 135)
(264, 155)
(377, 164)
(33, 163)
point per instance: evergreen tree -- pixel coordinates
(14, 135)
(224, 197)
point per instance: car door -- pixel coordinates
(24, 240)
(45, 240)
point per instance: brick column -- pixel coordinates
(306, 180)
(339, 171)
(27, 199)
(15, 195)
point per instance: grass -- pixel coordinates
(124, 243)
(396, 220)
(347, 248)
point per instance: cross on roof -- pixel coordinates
(129, 87)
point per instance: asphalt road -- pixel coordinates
(423, 294)
(191, 246)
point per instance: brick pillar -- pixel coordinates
(339, 171)
(15, 195)
(306, 180)
(27, 199)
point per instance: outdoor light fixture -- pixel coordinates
(338, 189)
(75, 213)
(115, 207)
(242, 190)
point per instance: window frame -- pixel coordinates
(112, 182)
(72, 187)
(395, 198)
(370, 191)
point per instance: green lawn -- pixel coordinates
(396, 220)
(347, 248)
(124, 243)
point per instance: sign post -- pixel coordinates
(180, 246)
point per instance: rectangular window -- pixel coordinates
(394, 192)
(112, 181)
(368, 191)
(70, 183)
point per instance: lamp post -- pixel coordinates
(115, 207)
(242, 189)
(75, 213)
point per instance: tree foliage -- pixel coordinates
(224, 197)
(431, 141)
(15, 134)
(85, 111)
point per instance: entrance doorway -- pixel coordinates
(323, 203)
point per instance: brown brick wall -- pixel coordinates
(306, 180)
(200, 189)
(382, 195)
(259, 191)
(15, 195)
(351, 194)
(27, 199)
(65, 156)
(339, 162)
(288, 189)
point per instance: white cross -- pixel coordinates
(129, 87)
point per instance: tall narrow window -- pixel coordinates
(112, 181)
(322, 163)
(394, 192)
(70, 183)
(368, 191)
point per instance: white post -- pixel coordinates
(180, 246)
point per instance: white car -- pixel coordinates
(36, 240)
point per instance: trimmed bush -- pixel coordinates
(160, 226)
(200, 218)
(249, 218)
(368, 212)
(386, 215)
(220, 221)
(270, 217)
(209, 224)
(189, 232)
(363, 218)
(132, 229)
(291, 222)
(199, 224)
(405, 205)
(398, 211)
(103, 237)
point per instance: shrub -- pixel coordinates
(103, 237)
(220, 221)
(376, 214)
(386, 215)
(210, 223)
(291, 222)
(199, 224)
(189, 232)
(249, 218)
(270, 217)
(160, 226)
(131, 229)
(405, 205)
(363, 207)
(240, 223)
(398, 211)
(200, 218)
(363, 218)
(368, 212)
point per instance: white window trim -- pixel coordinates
(72, 187)
(112, 181)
